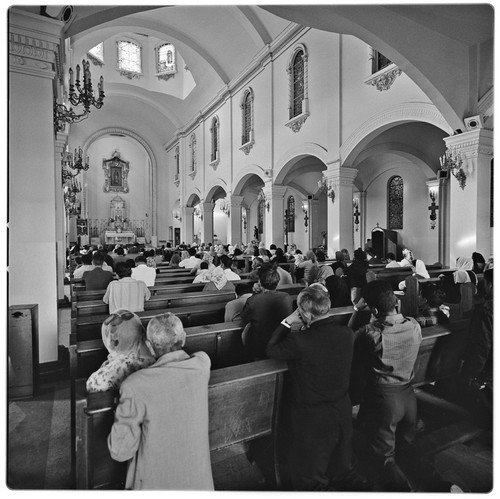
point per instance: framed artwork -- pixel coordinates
(81, 227)
(115, 174)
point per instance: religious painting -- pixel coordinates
(81, 227)
(115, 174)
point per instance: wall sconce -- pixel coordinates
(433, 207)
(262, 198)
(452, 161)
(225, 208)
(325, 185)
(356, 214)
(75, 161)
(177, 216)
(82, 95)
(305, 209)
(197, 212)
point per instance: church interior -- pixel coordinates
(319, 126)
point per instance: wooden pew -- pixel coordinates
(243, 404)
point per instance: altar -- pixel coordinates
(115, 237)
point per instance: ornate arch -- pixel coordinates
(152, 160)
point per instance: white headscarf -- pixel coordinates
(421, 270)
(463, 265)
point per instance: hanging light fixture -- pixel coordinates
(75, 161)
(452, 161)
(80, 93)
(356, 213)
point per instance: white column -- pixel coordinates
(207, 230)
(187, 225)
(61, 245)
(234, 220)
(34, 186)
(273, 229)
(470, 228)
(340, 223)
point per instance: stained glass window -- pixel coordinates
(165, 59)
(260, 216)
(215, 139)
(193, 152)
(290, 223)
(395, 202)
(298, 83)
(129, 56)
(247, 118)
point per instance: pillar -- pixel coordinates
(61, 243)
(234, 220)
(34, 182)
(273, 229)
(340, 223)
(187, 225)
(207, 226)
(470, 207)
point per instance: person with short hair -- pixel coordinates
(142, 272)
(391, 343)
(123, 336)
(161, 421)
(127, 293)
(97, 278)
(264, 310)
(84, 267)
(391, 261)
(190, 261)
(319, 353)
(225, 263)
(243, 291)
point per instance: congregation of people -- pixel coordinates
(161, 421)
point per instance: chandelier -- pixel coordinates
(79, 95)
(452, 162)
(75, 161)
(324, 185)
(356, 213)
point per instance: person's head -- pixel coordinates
(204, 265)
(464, 263)
(130, 262)
(345, 253)
(313, 303)
(122, 333)
(479, 262)
(184, 255)
(320, 255)
(360, 255)
(119, 251)
(272, 247)
(268, 277)
(225, 261)
(192, 251)
(380, 297)
(140, 260)
(123, 269)
(339, 256)
(257, 262)
(165, 333)
(243, 288)
(390, 257)
(87, 259)
(310, 255)
(98, 259)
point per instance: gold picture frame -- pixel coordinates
(115, 174)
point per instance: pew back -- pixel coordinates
(243, 405)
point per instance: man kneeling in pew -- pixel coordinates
(161, 421)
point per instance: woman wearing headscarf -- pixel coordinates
(479, 263)
(218, 281)
(123, 336)
(407, 260)
(451, 282)
(419, 271)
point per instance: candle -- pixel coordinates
(70, 76)
(78, 73)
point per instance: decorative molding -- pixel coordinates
(246, 147)
(214, 164)
(192, 174)
(34, 56)
(384, 78)
(95, 60)
(165, 76)
(296, 123)
(131, 75)
(485, 105)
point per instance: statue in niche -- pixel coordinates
(115, 173)
(118, 218)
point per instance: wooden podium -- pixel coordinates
(386, 241)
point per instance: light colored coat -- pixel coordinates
(161, 425)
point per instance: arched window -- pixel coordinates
(96, 54)
(129, 58)
(290, 222)
(247, 131)
(298, 83)
(192, 145)
(214, 130)
(395, 203)
(260, 217)
(165, 61)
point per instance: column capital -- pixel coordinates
(235, 201)
(340, 175)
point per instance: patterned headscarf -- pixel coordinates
(218, 277)
(123, 334)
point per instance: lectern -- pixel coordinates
(386, 241)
